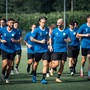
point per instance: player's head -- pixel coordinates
(51, 27)
(75, 24)
(42, 21)
(16, 24)
(60, 22)
(3, 22)
(33, 27)
(88, 18)
(10, 22)
(71, 25)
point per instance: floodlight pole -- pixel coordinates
(6, 9)
(64, 13)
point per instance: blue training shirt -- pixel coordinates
(28, 40)
(40, 35)
(9, 46)
(73, 38)
(85, 41)
(58, 36)
(18, 45)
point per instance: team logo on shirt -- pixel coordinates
(12, 35)
(4, 34)
(40, 34)
(64, 34)
(46, 32)
(86, 29)
(74, 33)
(56, 34)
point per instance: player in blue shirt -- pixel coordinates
(30, 47)
(60, 38)
(2, 24)
(84, 34)
(9, 38)
(18, 48)
(73, 47)
(40, 37)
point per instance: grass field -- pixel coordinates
(23, 81)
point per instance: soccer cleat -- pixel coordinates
(47, 75)
(72, 73)
(44, 81)
(3, 78)
(81, 74)
(12, 72)
(34, 79)
(17, 71)
(58, 80)
(7, 81)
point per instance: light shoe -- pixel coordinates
(82, 74)
(7, 81)
(51, 72)
(17, 71)
(47, 75)
(58, 80)
(72, 73)
(12, 72)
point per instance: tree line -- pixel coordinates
(43, 6)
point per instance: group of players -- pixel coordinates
(52, 45)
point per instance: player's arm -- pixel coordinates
(82, 35)
(37, 41)
(28, 45)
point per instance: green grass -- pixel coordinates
(23, 81)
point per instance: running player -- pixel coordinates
(18, 49)
(60, 38)
(9, 38)
(30, 47)
(40, 37)
(73, 48)
(84, 34)
(2, 24)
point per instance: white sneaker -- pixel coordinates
(17, 72)
(51, 72)
(7, 81)
(58, 80)
(72, 73)
(12, 72)
(47, 75)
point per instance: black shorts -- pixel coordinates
(85, 51)
(30, 56)
(18, 52)
(6, 55)
(59, 56)
(50, 55)
(43, 56)
(73, 51)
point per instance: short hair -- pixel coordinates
(71, 23)
(16, 22)
(3, 19)
(11, 19)
(76, 22)
(88, 16)
(42, 17)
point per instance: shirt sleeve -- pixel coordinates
(52, 34)
(26, 37)
(80, 30)
(35, 33)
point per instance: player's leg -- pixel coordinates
(18, 58)
(30, 61)
(61, 68)
(84, 57)
(37, 59)
(45, 59)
